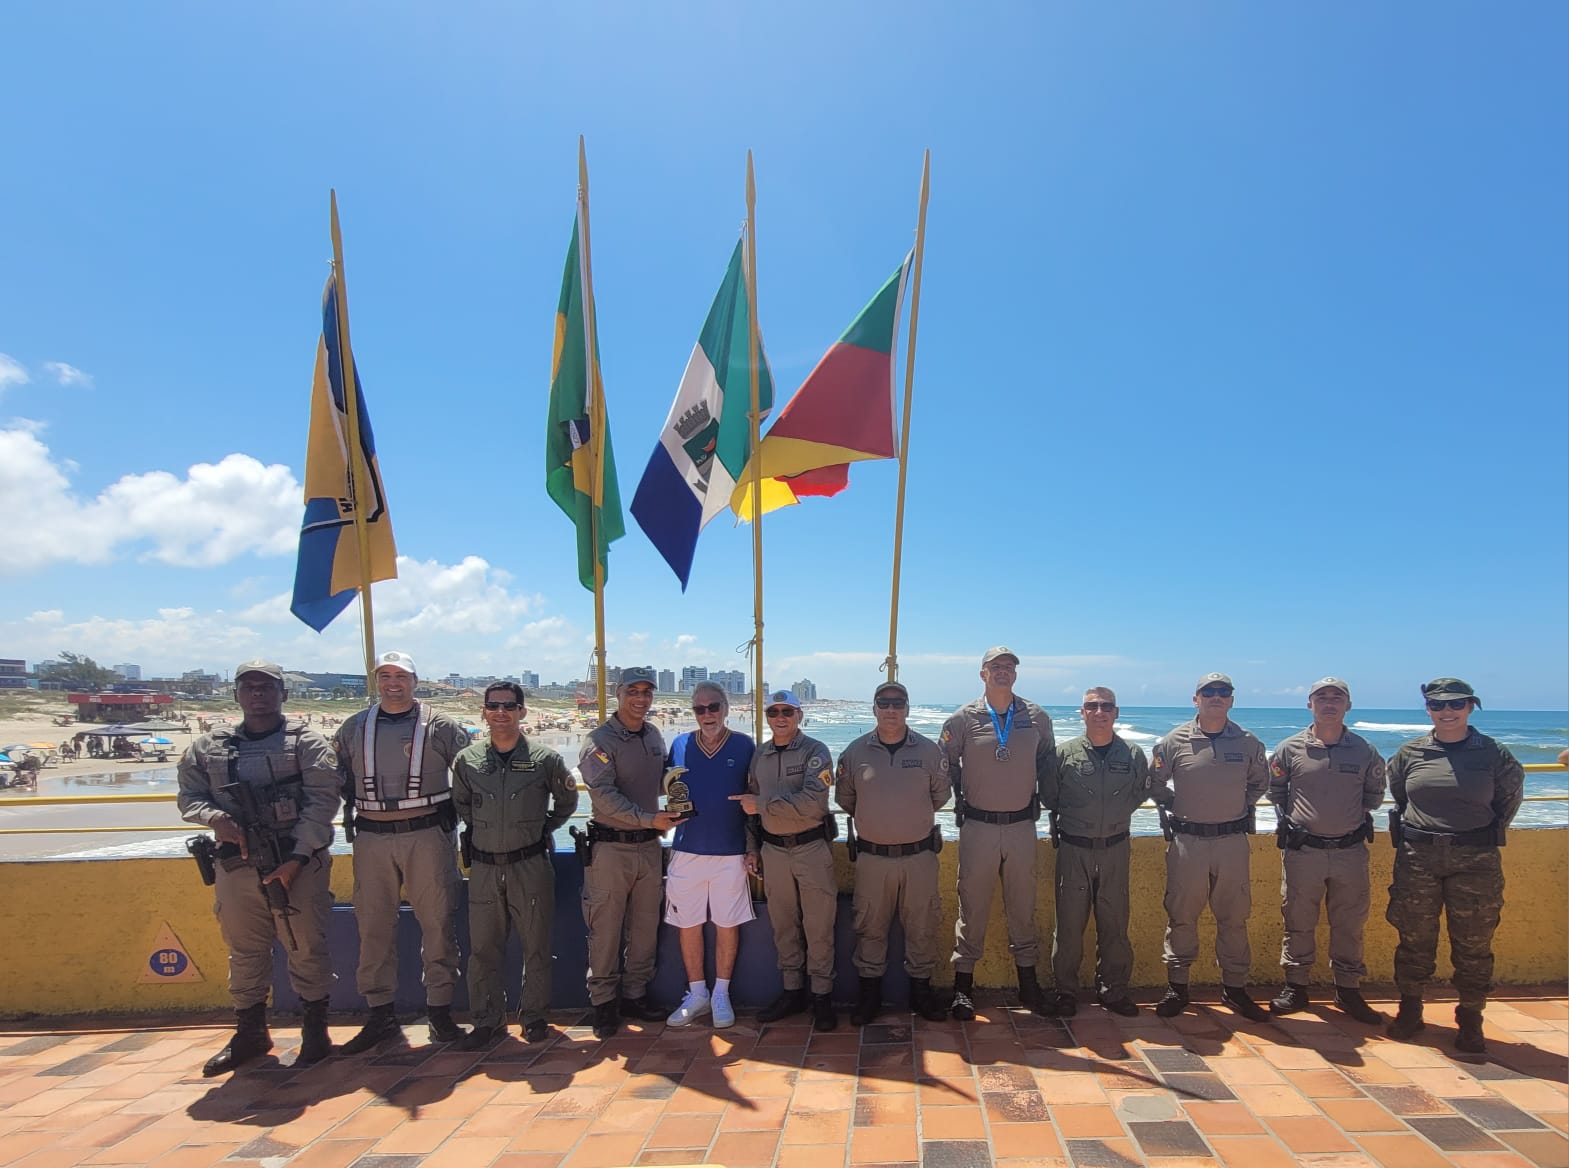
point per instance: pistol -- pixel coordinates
(204, 851)
(582, 845)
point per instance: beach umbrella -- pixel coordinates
(41, 745)
(155, 742)
(4, 757)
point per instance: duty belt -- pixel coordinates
(894, 851)
(1210, 830)
(1331, 842)
(397, 826)
(534, 849)
(609, 835)
(1001, 818)
(1084, 841)
(800, 838)
(1481, 837)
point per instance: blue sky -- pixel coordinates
(1244, 337)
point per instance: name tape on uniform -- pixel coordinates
(168, 961)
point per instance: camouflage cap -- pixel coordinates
(1330, 683)
(1450, 687)
(265, 668)
(637, 675)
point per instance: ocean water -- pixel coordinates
(1533, 737)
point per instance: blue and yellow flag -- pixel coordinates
(327, 574)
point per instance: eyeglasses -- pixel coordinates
(780, 711)
(1215, 691)
(710, 708)
(502, 705)
(1448, 703)
(1099, 707)
(891, 703)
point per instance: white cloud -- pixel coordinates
(68, 374)
(11, 373)
(214, 514)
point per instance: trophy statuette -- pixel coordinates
(678, 796)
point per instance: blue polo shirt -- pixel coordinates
(720, 826)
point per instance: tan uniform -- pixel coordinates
(1327, 792)
(1210, 787)
(893, 795)
(295, 774)
(392, 857)
(791, 785)
(624, 885)
(511, 808)
(999, 801)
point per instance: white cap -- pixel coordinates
(398, 661)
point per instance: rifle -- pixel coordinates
(265, 840)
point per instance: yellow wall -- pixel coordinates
(77, 934)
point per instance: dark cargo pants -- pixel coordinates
(524, 895)
(622, 888)
(1467, 884)
(1093, 880)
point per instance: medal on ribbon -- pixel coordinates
(1003, 729)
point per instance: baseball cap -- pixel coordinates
(266, 668)
(784, 697)
(1213, 679)
(995, 652)
(398, 661)
(1328, 682)
(888, 685)
(1450, 687)
(638, 675)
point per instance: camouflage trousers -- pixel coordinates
(1467, 884)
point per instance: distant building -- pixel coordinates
(128, 671)
(733, 681)
(117, 707)
(528, 679)
(13, 673)
(667, 681)
(805, 690)
(691, 675)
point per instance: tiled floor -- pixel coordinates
(1097, 1091)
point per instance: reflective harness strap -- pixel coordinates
(368, 786)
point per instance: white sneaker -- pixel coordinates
(724, 1012)
(692, 1007)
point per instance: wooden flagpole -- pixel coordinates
(892, 663)
(596, 419)
(358, 472)
(759, 698)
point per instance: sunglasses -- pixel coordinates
(710, 708)
(1100, 707)
(891, 703)
(1448, 703)
(1215, 691)
(502, 705)
(780, 711)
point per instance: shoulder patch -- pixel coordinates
(827, 777)
(602, 756)
(1277, 770)
(814, 762)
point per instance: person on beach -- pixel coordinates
(1456, 791)
(891, 782)
(623, 766)
(1001, 751)
(710, 859)
(395, 760)
(1206, 776)
(1325, 783)
(293, 778)
(1098, 784)
(787, 789)
(511, 795)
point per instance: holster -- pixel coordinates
(581, 845)
(1051, 827)
(1368, 831)
(937, 839)
(466, 847)
(1252, 819)
(851, 843)
(1397, 827)
(449, 815)
(348, 820)
(1165, 822)
(204, 851)
(1289, 836)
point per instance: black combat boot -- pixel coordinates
(1408, 1022)
(607, 1019)
(823, 1015)
(1031, 996)
(251, 1040)
(440, 1025)
(871, 1001)
(1469, 1040)
(1292, 999)
(1351, 1001)
(1175, 1000)
(925, 1001)
(963, 1006)
(480, 1038)
(1118, 1003)
(315, 1044)
(1064, 1004)
(379, 1027)
(644, 1009)
(787, 1003)
(1242, 1003)
(536, 1031)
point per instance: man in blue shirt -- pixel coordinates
(709, 861)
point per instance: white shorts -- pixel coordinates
(699, 888)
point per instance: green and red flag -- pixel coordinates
(843, 412)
